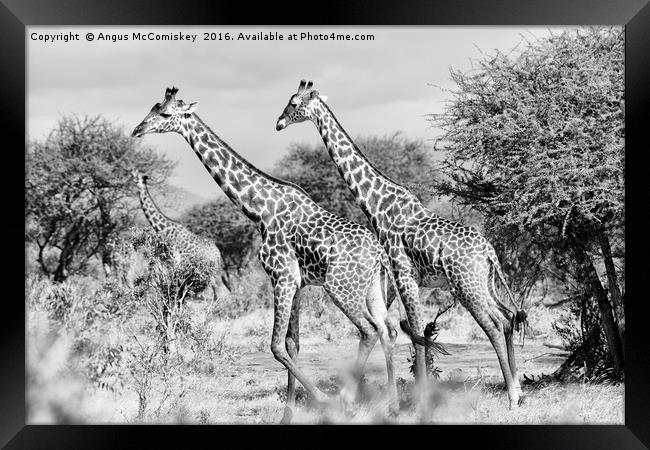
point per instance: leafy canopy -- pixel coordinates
(78, 191)
(536, 137)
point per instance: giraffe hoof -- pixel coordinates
(322, 399)
(288, 415)
(521, 401)
(347, 396)
(516, 402)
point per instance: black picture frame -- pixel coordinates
(15, 15)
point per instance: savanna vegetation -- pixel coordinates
(530, 151)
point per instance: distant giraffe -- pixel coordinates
(184, 241)
(420, 244)
(302, 244)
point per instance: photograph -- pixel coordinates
(325, 225)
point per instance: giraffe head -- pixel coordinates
(165, 116)
(139, 178)
(301, 106)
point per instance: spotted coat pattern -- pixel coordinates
(420, 244)
(185, 243)
(302, 244)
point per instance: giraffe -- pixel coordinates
(185, 242)
(302, 244)
(422, 246)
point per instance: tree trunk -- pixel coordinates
(612, 335)
(61, 273)
(66, 257)
(41, 260)
(612, 284)
(570, 368)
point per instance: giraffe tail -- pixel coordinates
(226, 283)
(519, 316)
(385, 271)
(428, 342)
(387, 293)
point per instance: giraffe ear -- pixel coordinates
(189, 109)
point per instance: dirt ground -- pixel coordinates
(470, 390)
(239, 381)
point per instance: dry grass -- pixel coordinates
(82, 370)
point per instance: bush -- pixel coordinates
(580, 331)
(171, 276)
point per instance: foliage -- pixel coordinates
(170, 278)
(234, 233)
(80, 303)
(77, 192)
(580, 330)
(534, 140)
(405, 160)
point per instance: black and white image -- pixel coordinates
(267, 225)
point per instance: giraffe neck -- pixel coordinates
(257, 194)
(375, 193)
(159, 222)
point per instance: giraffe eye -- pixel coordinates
(165, 115)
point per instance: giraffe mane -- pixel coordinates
(363, 155)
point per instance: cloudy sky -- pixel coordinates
(373, 87)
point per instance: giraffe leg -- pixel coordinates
(214, 290)
(512, 362)
(366, 344)
(387, 336)
(218, 289)
(292, 345)
(492, 322)
(347, 298)
(284, 292)
(408, 290)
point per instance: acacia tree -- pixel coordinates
(78, 192)
(534, 140)
(401, 158)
